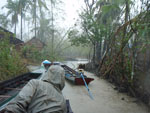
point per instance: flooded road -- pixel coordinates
(106, 99)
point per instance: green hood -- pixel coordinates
(55, 75)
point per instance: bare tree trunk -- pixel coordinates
(94, 51)
(28, 30)
(52, 28)
(21, 21)
(104, 47)
(124, 35)
(35, 16)
(98, 52)
(15, 22)
(15, 28)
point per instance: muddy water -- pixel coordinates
(106, 99)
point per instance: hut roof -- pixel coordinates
(12, 39)
(37, 43)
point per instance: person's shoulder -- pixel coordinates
(34, 81)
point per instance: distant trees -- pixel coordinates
(5, 22)
(22, 8)
(13, 7)
(37, 5)
(16, 8)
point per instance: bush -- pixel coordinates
(32, 54)
(10, 61)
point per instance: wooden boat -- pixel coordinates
(10, 88)
(74, 76)
(69, 110)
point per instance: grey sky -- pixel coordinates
(71, 9)
(2, 2)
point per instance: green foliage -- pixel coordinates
(12, 7)
(108, 8)
(4, 21)
(10, 61)
(97, 22)
(36, 56)
(44, 30)
(78, 39)
(30, 52)
(42, 3)
(74, 52)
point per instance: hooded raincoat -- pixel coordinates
(41, 96)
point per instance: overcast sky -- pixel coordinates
(71, 9)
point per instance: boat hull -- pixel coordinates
(10, 88)
(75, 77)
(78, 80)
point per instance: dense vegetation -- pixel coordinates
(11, 63)
(118, 31)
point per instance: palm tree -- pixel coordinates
(44, 29)
(4, 21)
(12, 7)
(41, 3)
(22, 7)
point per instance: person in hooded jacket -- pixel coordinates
(41, 96)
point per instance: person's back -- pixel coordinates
(42, 96)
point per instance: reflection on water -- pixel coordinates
(74, 64)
